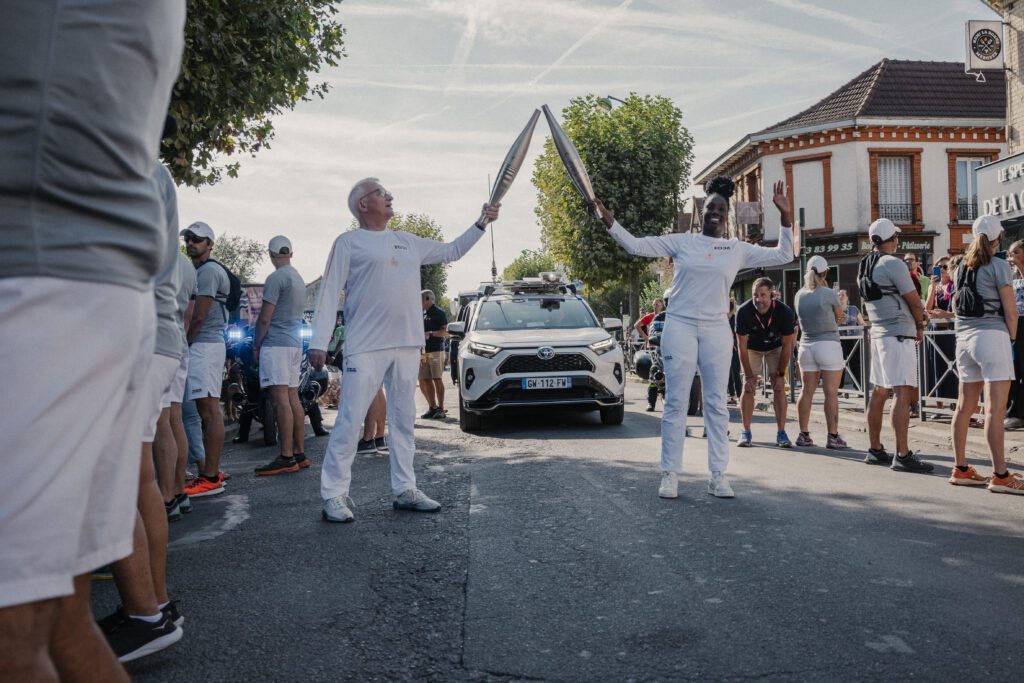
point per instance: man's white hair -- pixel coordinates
(357, 192)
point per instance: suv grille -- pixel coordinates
(562, 362)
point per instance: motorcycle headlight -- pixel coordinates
(485, 350)
(603, 346)
(234, 334)
(306, 332)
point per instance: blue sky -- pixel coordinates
(433, 92)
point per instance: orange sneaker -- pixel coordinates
(1010, 484)
(968, 478)
(205, 487)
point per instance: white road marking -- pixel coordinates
(891, 644)
(235, 513)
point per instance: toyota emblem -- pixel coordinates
(545, 353)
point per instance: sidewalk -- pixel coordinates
(933, 433)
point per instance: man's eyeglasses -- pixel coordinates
(381, 191)
(195, 239)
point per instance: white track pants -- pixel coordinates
(685, 347)
(362, 376)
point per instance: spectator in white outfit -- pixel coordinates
(379, 271)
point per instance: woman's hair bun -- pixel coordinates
(722, 185)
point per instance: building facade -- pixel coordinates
(903, 140)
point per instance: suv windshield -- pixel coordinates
(542, 313)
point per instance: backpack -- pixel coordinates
(234, 298)
(866, 285)
(967, 300)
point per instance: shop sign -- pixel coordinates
(1001, 187)
(842, 246)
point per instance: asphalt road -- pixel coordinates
(554, 559)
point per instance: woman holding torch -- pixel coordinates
(697, 334)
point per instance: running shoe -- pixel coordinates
(173, 509)
(439, 414)
(745, 438)
(338, 509)
(279, 465)
(968, 478)
(910, 463)
(718, 486)
(381, 443)
(366, 446)
(878, 456)
(184, 504)
(804, 440)
(170, 611)
(669, 487)
(190, 477)
(205, 487)
(416, 501)
(835, 441)
(1013, 423)
(429, 415)
(132, 638)
(650, 407)
(782, 440)
(1010, 484)
(302, 461)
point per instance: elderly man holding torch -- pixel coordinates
(379, 271)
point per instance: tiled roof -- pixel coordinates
(907, 89)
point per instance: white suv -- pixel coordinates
(532, 343)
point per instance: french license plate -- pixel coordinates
(547, 382)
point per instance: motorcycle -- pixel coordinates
(255, 403)
(649, 366)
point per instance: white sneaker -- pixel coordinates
(718, 486)
(669, 485)
(338, 509)
(416, 501)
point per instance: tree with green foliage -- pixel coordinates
(639, 156)
(611, 300)
(529, 263)
(652, 290)
(243, 63)
(240, 254)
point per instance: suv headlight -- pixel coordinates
(603, 346)
(485, 350)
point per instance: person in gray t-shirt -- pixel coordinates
(278, 347)
(891, 315)
(984, 354)
(206, 353)
(897, 320)
(816, 311)
(820, 353)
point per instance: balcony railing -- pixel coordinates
(900, 214)
(966, 211)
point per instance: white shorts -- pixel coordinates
(68, 494)
(205, 370)
(279, 366)
(176, 392)
(155, 387)
(893, 362)
(820, 356)
(984, 356)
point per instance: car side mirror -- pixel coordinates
(457, 329)
(611, 324)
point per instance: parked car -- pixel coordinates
(535, 343)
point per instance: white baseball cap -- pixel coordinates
(281, 246)
(883, 229)
(987, 225)
(199, 229)
(818, 264)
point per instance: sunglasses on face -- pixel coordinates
(381, 191)
(195, 239)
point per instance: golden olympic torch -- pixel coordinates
(513, 160)
(571, 160)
